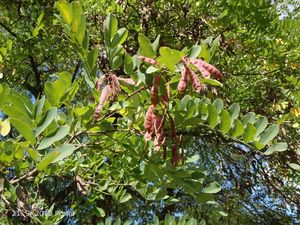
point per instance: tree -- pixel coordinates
(107, 115)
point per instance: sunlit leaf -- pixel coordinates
(278, 147)
(58, 135)
(212, 188)
(46, 120)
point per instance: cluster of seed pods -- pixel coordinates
(187, 74)
(110, 90)
(154, 123)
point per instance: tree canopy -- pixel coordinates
(149, 112)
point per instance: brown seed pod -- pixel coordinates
(160, 137)
(148, 123)
(195, 81)
(147, 136)
(172, 129)
(154, 90)
(182, 85)
(100, 83)
(166, 97)
(105, 94)
(156, 81)
(198, 64)
(210, 68)
(114, 83)
(126, 81)
(175, 156)
(148, 60)
(154, 96)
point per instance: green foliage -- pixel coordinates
(227, 152)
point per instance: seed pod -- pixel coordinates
(148, 60)
(114, 82)
(166, 97)
(99, 83)
(154, 96)
(160, 138)
(156, 81)
(106, 92)
(175, 156)
(183, 80)
(172, 129)
(198, 64)
(148, 123)
(126, 81)
(210, 68)
(148, 136)
(195, 81)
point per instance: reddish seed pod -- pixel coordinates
(175, 156)
(148, 123)
(210, 68)
(126, 81)
(148, 60)
(182, 85)
(156, 81)
(114, 83)
(195, 81)
(154, 96)
(172, 129)
(106, 92)
(148, 136)
(99, 83)
(198, 64)
(166, 97)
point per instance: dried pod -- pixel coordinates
(210, 68)
(100, 83)
(148, 123)
(114, 83)
(148, 136)
(182, 85)
(148, 60)
(154, 96)
(106, 92)
(175, 156)
(156, 81)
(198, 64)
(172, 129)
(166, 97)
(195, 81)
(160, 138)
(126, 81)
